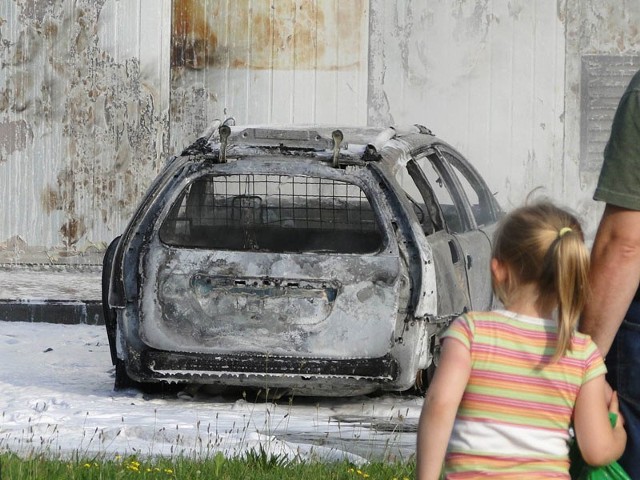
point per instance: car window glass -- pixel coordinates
(274, 213)
(450, 209)
(473, 189)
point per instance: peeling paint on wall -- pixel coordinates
(86, 128)
(14, 136)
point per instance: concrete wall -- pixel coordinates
(94, 94)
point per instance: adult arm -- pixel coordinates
(440, 407)
(599, 443)
(614, 275)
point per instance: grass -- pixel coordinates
(256, 465)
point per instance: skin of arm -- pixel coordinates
(440, 407)
(599, 443)
(614, 274)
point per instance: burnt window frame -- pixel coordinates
(429, 197)
(454, 162)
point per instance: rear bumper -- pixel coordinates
(168, 363)
(303, 375)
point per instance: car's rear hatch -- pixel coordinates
(302, 264)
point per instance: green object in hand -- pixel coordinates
(580, 470)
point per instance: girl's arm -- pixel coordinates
(440, 407)
(599, 443)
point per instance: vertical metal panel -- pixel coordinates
(263, 61)
(84, 116)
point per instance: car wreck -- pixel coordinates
(311, 260)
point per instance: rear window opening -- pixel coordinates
(273, 213)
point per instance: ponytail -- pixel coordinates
(567, 268)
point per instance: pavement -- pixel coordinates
(65, 289)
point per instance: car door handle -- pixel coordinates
(455, 256)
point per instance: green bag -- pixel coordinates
(579, 470)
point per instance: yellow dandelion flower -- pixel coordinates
(87, 465)
(168, 470)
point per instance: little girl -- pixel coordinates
(510, 382)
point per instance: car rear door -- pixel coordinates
(433, 206)
(481, 211)
(459, 217)
(281, 257)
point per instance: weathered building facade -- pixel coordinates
(95, 94)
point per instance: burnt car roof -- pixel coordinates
(342, 146)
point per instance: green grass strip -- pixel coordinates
(256, 465)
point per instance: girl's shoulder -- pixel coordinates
(582, 341)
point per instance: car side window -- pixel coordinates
(444, 192)
(473, 187)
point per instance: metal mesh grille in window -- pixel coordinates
(273, 213)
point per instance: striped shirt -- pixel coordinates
(513, 420)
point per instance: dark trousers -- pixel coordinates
(623, 363)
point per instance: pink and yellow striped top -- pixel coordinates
(513, 420)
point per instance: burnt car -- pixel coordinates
(312, 260)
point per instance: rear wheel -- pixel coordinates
(423, 378)
(108, 312)
(123, 380)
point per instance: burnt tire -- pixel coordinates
(123, 380)
(423, 379)
(110, 321)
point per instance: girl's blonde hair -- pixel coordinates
(544, 245)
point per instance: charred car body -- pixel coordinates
(311, 260)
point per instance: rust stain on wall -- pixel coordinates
(72, 230)
(193, 42)
(284, 35)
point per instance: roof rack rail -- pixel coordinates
(337, 137)
(224, 132)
